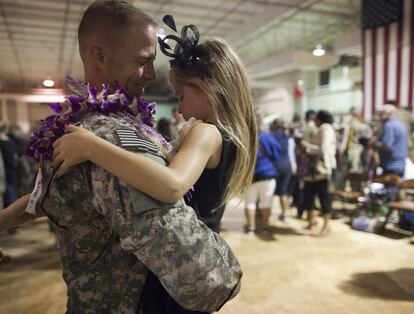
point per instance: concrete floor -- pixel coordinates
(290, 271)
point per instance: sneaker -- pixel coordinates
(282, 217)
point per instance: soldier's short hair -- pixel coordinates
(107, 19)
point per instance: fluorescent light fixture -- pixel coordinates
(43, 98)
(318, 51)
(48, 83)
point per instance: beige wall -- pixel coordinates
(15, 111)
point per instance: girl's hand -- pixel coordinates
(72, 148)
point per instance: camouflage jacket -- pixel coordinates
(110, 234)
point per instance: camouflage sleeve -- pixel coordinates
(194, 264)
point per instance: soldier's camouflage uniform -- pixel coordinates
(110, 234)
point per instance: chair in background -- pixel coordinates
(400, 205)
(352, 196)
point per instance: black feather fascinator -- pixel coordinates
(186, 54)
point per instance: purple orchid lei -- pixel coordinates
(87, 99)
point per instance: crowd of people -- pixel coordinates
(310, 158)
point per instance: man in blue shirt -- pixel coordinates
(392, 144)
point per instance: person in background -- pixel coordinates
(177, 122)
(164, 128)
(260, 194)
(9, 153)
(354, 129)
(293, 184)
(405, 116)
(2, 181)
(282, 165)
(306, 133)
(2, 189)
(392, 143)
(321, 155)
(310, 129)
(368, 159)
(24, 164)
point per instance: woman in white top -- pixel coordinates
(321, 153)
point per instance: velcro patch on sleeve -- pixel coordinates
(129, 140)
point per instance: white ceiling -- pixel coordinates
(38, 37)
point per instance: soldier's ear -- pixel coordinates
(97, 54)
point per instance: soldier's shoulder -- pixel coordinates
(102, 125)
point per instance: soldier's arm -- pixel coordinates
(194, 264)
(166, 184)
(14, 215)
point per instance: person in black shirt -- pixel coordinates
(9, 153)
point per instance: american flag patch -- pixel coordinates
(129, 140)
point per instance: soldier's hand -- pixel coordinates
(71, 149)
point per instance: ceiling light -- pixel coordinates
(319, 51)
(345, 70)
(161, 33)
(48, 83)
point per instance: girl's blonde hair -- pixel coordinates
(230, 99)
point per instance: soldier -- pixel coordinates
(109, 233)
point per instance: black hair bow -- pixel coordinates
(185, 53)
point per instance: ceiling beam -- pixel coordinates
(18, 6)
(74, 51)
(38, 16)
(12, 45)
(201, 6)
(275, 23)
(43, 35)
(62, 41)
(300, 8)
(18, 23)
(224, 16)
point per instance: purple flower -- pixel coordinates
(87, 99)
(56, 107)
(75, 102)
